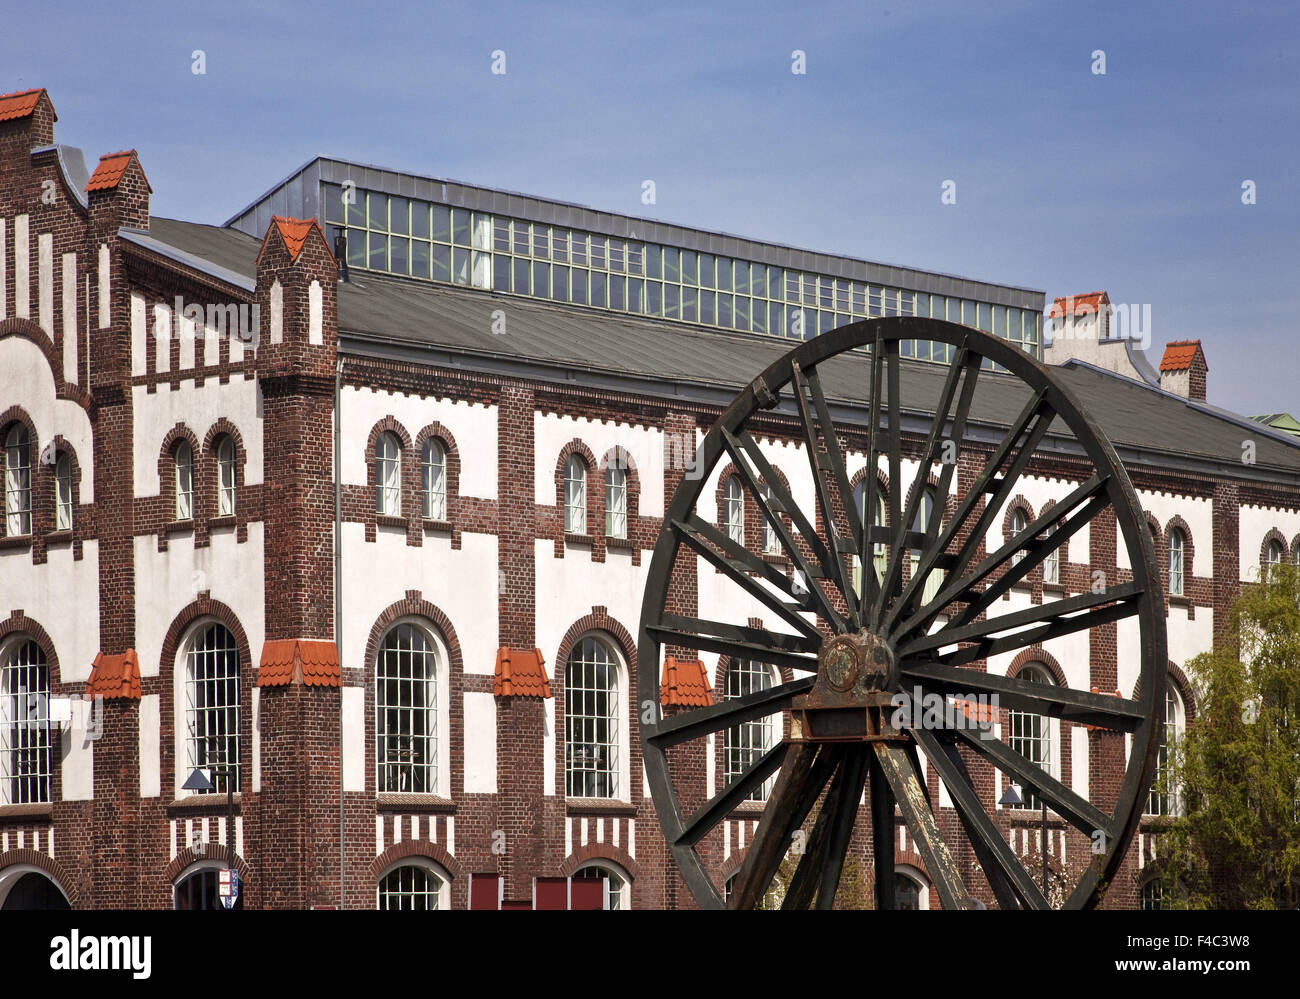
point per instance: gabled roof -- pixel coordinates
(19, 104)
(110, 170)
(294, 232)
(520, 673)
(299, 660)
(1179, 355)
(685, 683)
(114, 677)
(1074, 304)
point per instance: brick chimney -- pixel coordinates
(1183, 369)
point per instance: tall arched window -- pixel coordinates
(63, 492)
(880, 555)
(575, 495)
(1176, 562)
(615, 501)
(1018, 523)
(406, 723)
(412, 886)
(388, 476)
(1031, 735)
(591, 708)
(1274, 554)
(771, 542)
(433, 469)
(1164, 800)
(212, 703)
(616, 884)
(733, 511)
(184, 456)
(746, 742)
(18, 481)
(1153, 895)
(226, 477)
(25, 738)
(925, 510)
(1052, 564)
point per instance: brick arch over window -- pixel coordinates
(451, 475)
(620, 457)
(40, 518)
(1037, 654)
(1041, 657)
(48, 866)
(167, 477)
(201, 607)
(594, 493)
(418, 850)
(882, 484)
(413, 605)
(1295, 549)
(1064, 549)
(1157, 535)
(189, 856)
(592, 852)
(206, 506)
(1181, 684)
(1273, 535)
(1189, 552)
(1017, 502)
(754, 515)
(31, 331)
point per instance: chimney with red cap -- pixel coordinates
(1183, 369)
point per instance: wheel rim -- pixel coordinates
(853, 649)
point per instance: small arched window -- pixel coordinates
(575, 495)
(1052, 564)
(63, 492)
(733, 511)
(1176, 544)
(925, 512)
(591, 709)
(1032, 734)
(226, 477)
(1019, 522)
(1153, 895)
(25, 738)
(202, 890)
(212, 704)
(771, 542)
(749, 740)
(433, 474)
(1274, 555)
(412, 886)
(907, 893)
(184, 455)
(388, 476)
(18, 481)
(1163, 799)
(406, 724)
(616, 886)
(615, 501)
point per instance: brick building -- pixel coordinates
(441, 678)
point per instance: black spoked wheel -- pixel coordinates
(870, 616)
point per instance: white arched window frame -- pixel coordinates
(1274, 555)
(413, 883)
(925, 511)
(771, 541)
(196, 887)
(226, 477)
(745, 743)
(878, 518)
(1177, 545)
(184, 458)
(14, 873)
(63, 492)
(733, 510)
(388, 476)
(18, 481)
(1052, 563)
(618, 885)
(595, 718)
(1160, 801)
(412, 718)
(575, 495)
(433, 478)
(209, 675)
(1035, 737)
(910, 888)
(615, 501)
(26, 736)
(1152, 895)
(1019, 522)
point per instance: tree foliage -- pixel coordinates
(1236, 772)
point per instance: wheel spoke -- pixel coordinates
(995, 855)
(1076, 810)
(702, 721)
(760, 652)
(921, 823)
(894, 443)
(725, 801)
(866, 550)
(854, 773)
(1079, 706)
(882, 833)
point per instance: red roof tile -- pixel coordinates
(685, 683)
(109, 171)
(115, 677)
(1179, 354)
(1074, 304)
(294, 232)
(521, 673)
(19, 104)
(299, 660)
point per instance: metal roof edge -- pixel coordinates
(75, 183)
(141, 238)
(270, 191)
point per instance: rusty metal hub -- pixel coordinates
(852, 698)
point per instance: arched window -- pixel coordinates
(733, 511)
(1274, 555)
(771, 541)
(433, 469)
(25, 738)
(591, 708)
(879, 551)
(24, 888)
(201, 890)
(212, 704)
(406, 724)
(925, 511)
(1153, 895)
(749, 740)
(615, 501)
(63, 492)
(575, 495)
(412, 886)
(1018, 523)
(1164, 800)
(226, 477)
(388, 476)
(1052, 564)
(1176, 562)
(1031, 735)
(907, 893)
(616, 885)
(18, 481)
(184, 456)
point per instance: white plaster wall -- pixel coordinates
(198, 407)
(150, 745)
(62, 596)
(354, 739)
(1196, 511)
(645, 445)
(1256, 521)
(474, 427)
(1188, 639)
(480, 743)
(1038, 491)
(27, 381)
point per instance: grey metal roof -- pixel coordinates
(453, 326)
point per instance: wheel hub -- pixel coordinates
(853, 696)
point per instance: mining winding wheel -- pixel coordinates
(850, 647)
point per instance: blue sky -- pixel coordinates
(1067, 181)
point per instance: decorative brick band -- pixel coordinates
(47, 864)
(415, 848)
(585, 855)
